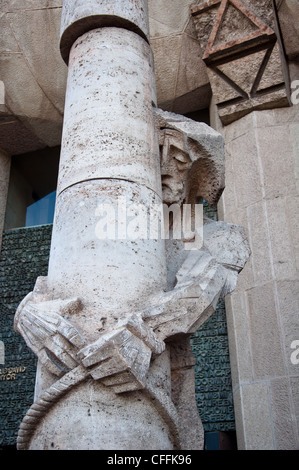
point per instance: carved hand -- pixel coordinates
(121, 358)
(52, 338)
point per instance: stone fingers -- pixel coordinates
(140, 329)
(120, 359)
(70, 333)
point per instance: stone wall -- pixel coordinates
(24, 256)
(262, 195)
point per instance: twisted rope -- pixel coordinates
(42, 406)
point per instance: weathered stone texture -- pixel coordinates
(288, 12)
(242, 50)
(34, 111)
(182, 80)
(34, 96)
(181, 77)
(261, 194)
(101, 117)
(82, 17)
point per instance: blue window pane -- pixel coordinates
(42, 211)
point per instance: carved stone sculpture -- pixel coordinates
(111, 322)
(242, 49)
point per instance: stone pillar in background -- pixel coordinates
(104, 323)
(249, 78)
(262, 195)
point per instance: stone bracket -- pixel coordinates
(243, 55)
(263, 34)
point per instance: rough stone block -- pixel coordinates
(192, 71)
(256, 417)
(294, 385)
(287, 298)
(240, 345)
(168, 18)
(292, 213)
(166, 67)
(241, 51)
(245, 164)
(282, 249)
(265, 332)
(40, 53)
(278, 172)
(261, 259)
(284, 421)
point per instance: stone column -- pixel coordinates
(107, 378)
(109, 155)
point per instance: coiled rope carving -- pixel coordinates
(60, 388)
(42, 406)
